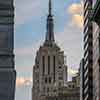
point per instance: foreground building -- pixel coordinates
(91, 69)
(7, 70)
(88, 52)
(96, 49)
(49, 71)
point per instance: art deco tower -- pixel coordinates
(49, 69)
(7, 71)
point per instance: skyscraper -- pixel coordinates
(88, 52)
(49, 69)
(7, 71)
(96, 49)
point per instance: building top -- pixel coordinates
(50, 27)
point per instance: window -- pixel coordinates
(54, 67)
(59, 83)
(49, 79)
(60, 78)
(37, 66)
(73, 86)
(37, 81)
(43, 64)
(59, 67)
(48, 64)
(44, 89)
(45, 80)
(47, 89)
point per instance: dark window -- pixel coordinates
(60, 78)
(44, 89)
(69, 85)
(45, 80)
(47, 89)
(49, 79)
(54, 67)
(43, 64)
(59, 83)
(37, 81)
(59, 67)
(48, 64)
(37, 66)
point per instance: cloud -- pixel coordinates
(75, 10)
(20, 81)
(72, 71)
(77, 20)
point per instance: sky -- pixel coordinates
(30, 31)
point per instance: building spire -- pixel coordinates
(50, 7)
(50, 26)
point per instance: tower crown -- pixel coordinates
(50, 26)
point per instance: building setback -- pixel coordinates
(69, 92)
(7, 71)
(96, 49)
(88, 52)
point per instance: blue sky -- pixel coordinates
(30, 29)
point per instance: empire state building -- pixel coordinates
(49, 71)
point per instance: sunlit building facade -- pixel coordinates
(49, 71)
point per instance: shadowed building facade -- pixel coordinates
(49, 71)
(87, 85)
(91, 70)
(96, 49)
(7, 71)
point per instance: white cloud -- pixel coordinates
(72, 71)
(77, 20)
(20, 81)
(75, 9)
